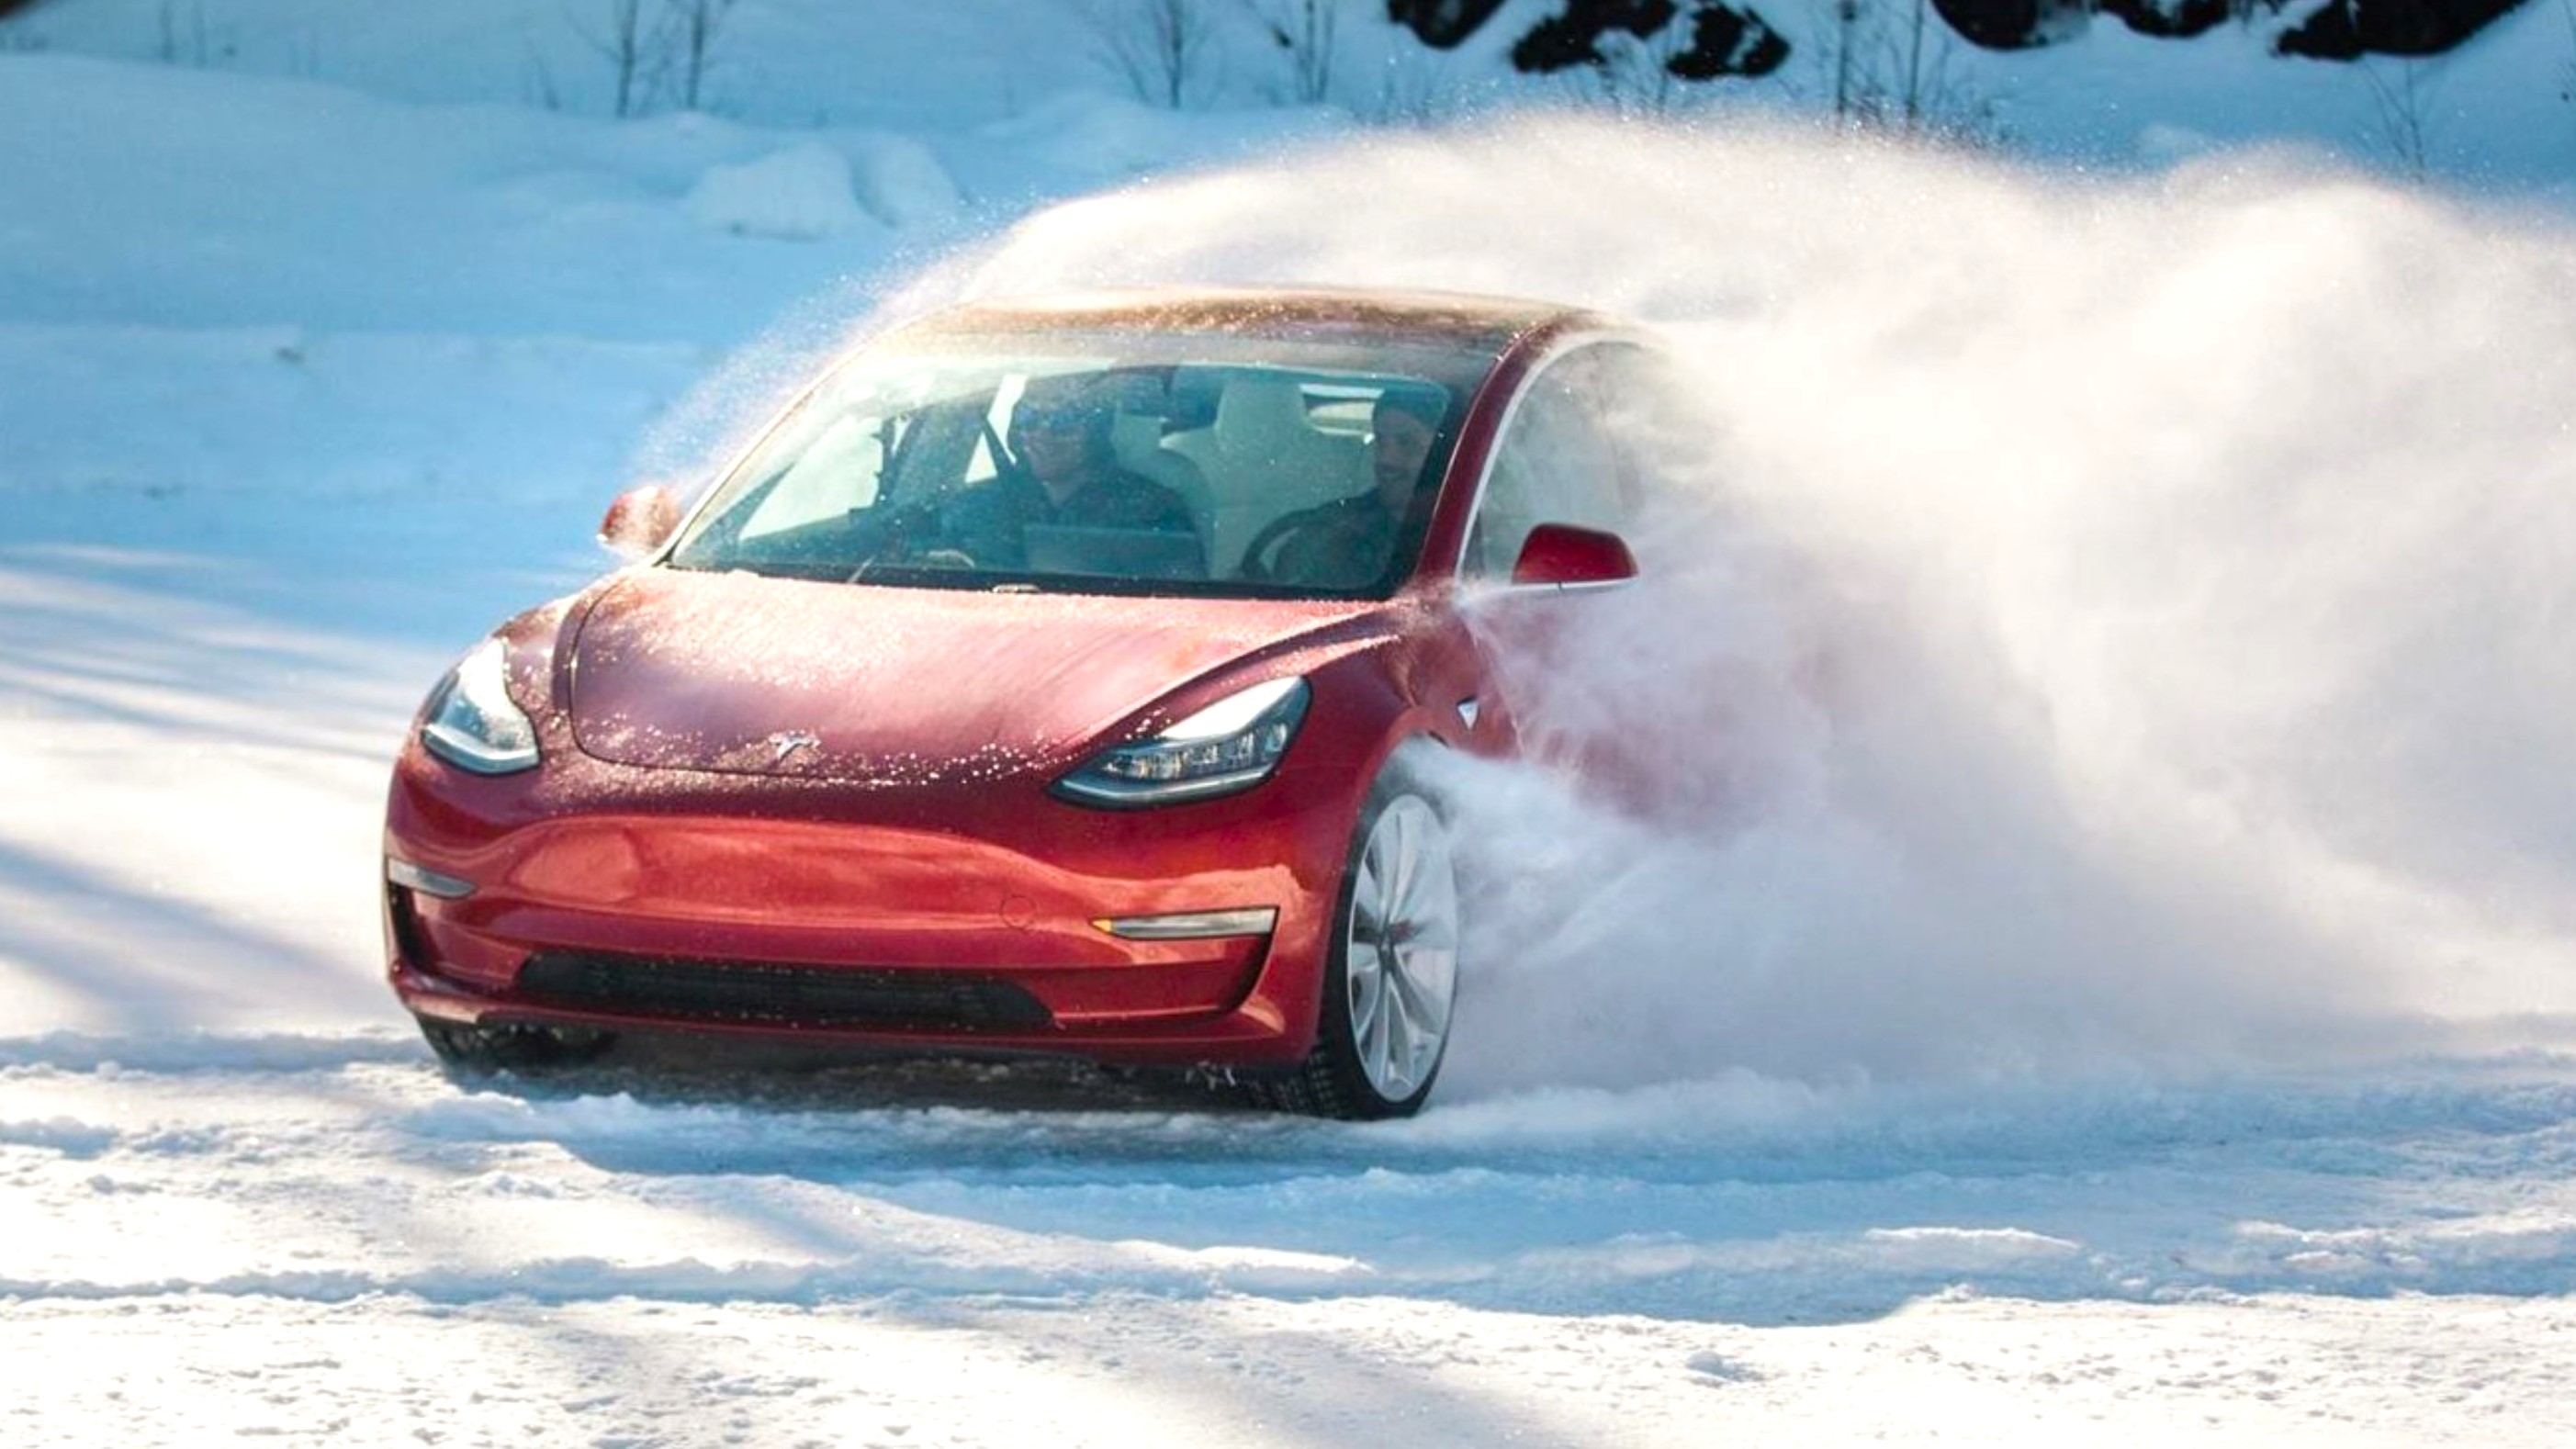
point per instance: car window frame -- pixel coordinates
(1559, 351)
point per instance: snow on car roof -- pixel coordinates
(1463, 320)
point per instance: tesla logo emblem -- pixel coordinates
(788, 742)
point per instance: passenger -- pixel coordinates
(1067, 474)
(1348, 543)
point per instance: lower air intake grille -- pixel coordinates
(747, 991)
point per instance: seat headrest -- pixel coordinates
(1261, 413)
(1136, 435)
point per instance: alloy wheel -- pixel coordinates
(1402, 955)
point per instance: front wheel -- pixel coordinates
(1392, 979)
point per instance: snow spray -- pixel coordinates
(2093, 625)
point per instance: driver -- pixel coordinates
(1347, 543)
(1066, 473)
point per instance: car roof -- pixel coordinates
(1456, 320)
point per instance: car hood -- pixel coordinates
(749, 675)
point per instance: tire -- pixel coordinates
(481, 1051)
(1391, 976)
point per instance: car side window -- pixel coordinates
(1554, 464)
(1645, 412)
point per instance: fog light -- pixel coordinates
(1193, 925)
(428, 882)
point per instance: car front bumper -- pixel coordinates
(966, 917)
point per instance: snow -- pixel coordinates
(902, 184)
(2116, 983)
(799, 194)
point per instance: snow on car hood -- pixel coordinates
(767, 676)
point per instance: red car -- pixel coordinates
(1049, 678)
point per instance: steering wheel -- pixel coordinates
(1273, 535)
(903, 534)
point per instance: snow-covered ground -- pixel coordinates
(2104, 969)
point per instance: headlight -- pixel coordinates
(1231, 745)
(471, 722)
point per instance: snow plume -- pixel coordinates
(2099, 625)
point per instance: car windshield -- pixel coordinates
(1110, 463)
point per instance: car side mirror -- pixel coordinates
(1562, 554)
(640, 521)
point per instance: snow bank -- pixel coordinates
(815, 190)
(902, 184)
(403, 218)
(799, 194)
(1103, 138)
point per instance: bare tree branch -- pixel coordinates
(1158, 47)
(1307, 31)
(694, 24)
(2402, 104)
(626, 45)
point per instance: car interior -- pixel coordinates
(860, 492)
